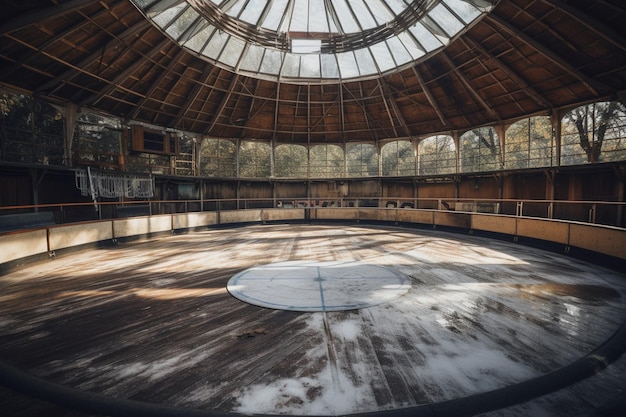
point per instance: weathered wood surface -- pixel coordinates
(152, 321)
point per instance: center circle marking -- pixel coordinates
(318, 286)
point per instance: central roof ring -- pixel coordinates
(331, 43)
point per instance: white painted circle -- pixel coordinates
(318, 286)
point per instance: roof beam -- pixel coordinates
(36, 16)
(358, 101)
(591, 84)
(600, 29)
(430, 97)
(67, 75)
(155, 84)
(122, 75)
(468, 86)
(222, 106)
(539, 99)
(193, 94)
(26, 58)
(392, 105)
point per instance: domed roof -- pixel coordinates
(316, 71)
(313, 40)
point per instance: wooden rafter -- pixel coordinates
(115, 82)
(24, 60)
(391, 106)
(517, 78)
(223, 103)
(468, 86)
(54, 83)
(192, 96)
(156, 83)
(430, 97)
(592, 84)
(600, 29)
(38, 15)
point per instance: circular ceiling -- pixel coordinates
(313, 40)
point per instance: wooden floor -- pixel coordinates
(152, 321)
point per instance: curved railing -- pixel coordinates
(595, 212)
(60, 227)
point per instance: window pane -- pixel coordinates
(480, 150)
(362, 160)
(529, 143)
(290, 161)
(437, 155)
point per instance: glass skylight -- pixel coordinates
(313, 40)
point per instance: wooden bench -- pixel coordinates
(11, 222)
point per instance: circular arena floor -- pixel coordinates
(426, 317)
(318, 286)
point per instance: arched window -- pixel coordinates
(480, 150)
(436, 155)
(594, 133)
(97, 140)
(529, 143)
(326, 161)
(362, 160)
(290, 161)
(218, 158)
(398, 158)
(31, 130)
(254, 159)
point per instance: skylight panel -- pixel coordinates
(411, 45)
(306, 46)
(398, 51)
(363, 14)
(346, 19)
(396, 5)
(429, 41)
(446, 20)
(164, 18)
(463, 9)
(216, 44)
(272, 61)
(182, 23)
(310, 66)
(232, 8)
(253, 11)
(366, 61)
(291, 66)
(383, 56)
(318, 22)
(275, 15)
(329, 66)
(251, 60)
(380, 12)
(232, 51)
(347, 65)
(197, 42)
(300, 16)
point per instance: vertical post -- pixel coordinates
(457, 153)
(620, 195)
(501, 132)
(272, 161)
(555, 119)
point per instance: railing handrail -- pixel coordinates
(262, 199)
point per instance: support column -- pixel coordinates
(555, 119)
(72, 111)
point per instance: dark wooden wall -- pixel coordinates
(600, 182)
